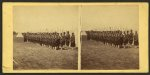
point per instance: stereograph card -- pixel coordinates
(75, 37)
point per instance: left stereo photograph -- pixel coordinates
(45, 37)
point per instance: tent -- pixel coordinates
(19, 35)
(83, 33)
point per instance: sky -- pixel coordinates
(45, 18)
(110, 17)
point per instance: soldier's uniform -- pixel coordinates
(131, 37)
(126, 38)
(64, 38)
(120, 39)
(57, 41)
(25, 37)
(67, 38)
(73, 40)
(49, 40)
(61, 40)
(88, 35)
(40, 39)
(136, 41)
(54, 40)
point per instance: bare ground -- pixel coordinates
(96, 55)
(33, 56)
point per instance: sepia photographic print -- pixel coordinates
(75, 37)
(45, 37)
(110, 37)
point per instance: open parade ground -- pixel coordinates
(27, 55)
(96, 55)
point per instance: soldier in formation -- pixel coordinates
(120, 39)
(54, 40)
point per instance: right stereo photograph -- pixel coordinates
(109, 37)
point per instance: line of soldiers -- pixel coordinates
(51, 39)
(118, 38)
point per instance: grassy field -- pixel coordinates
(33, 56)
(95, 55)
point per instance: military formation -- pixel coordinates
(52, 40)
(118, 38)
